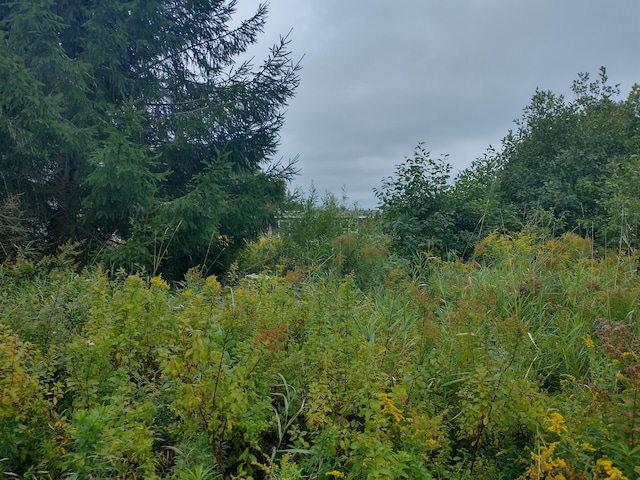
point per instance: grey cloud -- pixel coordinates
(379, 76)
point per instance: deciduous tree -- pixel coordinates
(564, 152)
(415, 204)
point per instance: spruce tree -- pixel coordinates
(136, 123)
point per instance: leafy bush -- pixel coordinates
(321, 239)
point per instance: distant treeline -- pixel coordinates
(568, 166)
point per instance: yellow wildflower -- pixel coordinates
(588, 341)
(607, 471)
(544, 463)
(212, 285)
(335, 473)
(159, 282)
(134, 281)
(387, 406)
(555, 422)
(224, 240)
(587, 447)
(431, 443)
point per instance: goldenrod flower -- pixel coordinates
(588, 341)
(335, 473)
(431, 443)
(158, 282)
(212, 284)
(387, 406)
(605, 467)
(545, 463)
(555, 422)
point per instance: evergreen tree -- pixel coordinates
(136, 121)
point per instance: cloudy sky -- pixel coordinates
(380, 76)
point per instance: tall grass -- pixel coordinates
(521, 363)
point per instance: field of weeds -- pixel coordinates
(521, 363)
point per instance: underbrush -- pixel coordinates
(522, 363)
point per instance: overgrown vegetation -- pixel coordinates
(349, 362)
(482, 326)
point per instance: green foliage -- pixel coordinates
(63, 298)
(522, 363)
(563, 155)
(416, 205)
(122, 184)
(620, 199)
(214, 369)
(313, 239)
(134, 127)
(569, 166)
(14, 232)
(426, 212)
(25, 412)
(110, 441)
(477, 208)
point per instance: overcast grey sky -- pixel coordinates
(380, 76)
